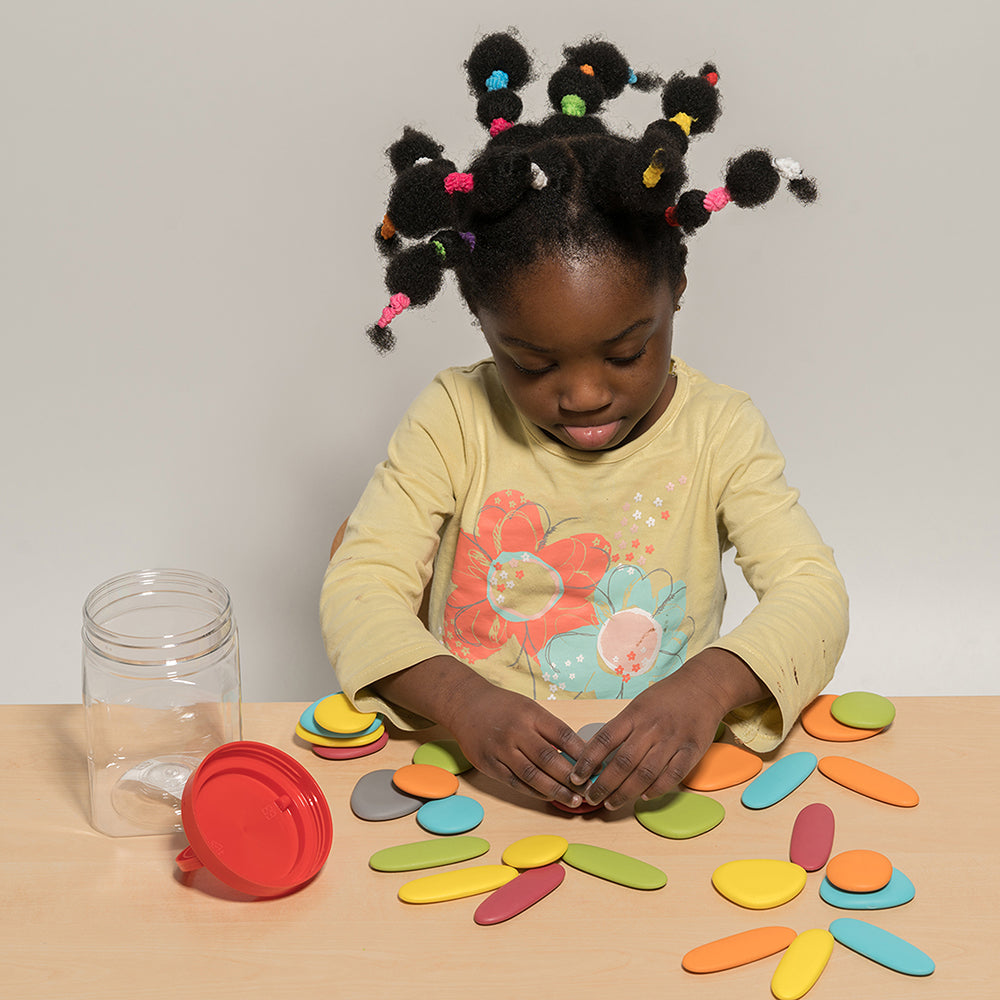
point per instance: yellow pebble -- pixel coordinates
(802, 964)
(534, 852)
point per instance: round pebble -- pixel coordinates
(336, 741)
(859, 871)
(308, 722)
(759, 883)
(535, 852)
(723, 766)
(863, 710)
(351, 753)
(376, 798)
(426, 781)
(680, 815)
(336, 713)
(446, 754)
(898, 891)
(451, 815)
(818, 722)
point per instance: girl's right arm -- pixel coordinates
(503, 734)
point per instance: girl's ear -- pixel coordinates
(679, 289)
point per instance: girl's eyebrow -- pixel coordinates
(517, 342)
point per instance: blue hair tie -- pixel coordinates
(632, 78)
(497, 80)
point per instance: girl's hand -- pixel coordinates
(515, 740)
(665, 730)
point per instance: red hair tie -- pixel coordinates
(458, 182)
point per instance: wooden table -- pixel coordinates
(84, 915)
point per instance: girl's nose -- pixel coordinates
(584, 391)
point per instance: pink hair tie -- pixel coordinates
(716, 200)
(397, 303)
(499, 125)
(458, 182)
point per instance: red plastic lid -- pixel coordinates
(256, 819)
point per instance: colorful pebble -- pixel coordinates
(534, 852)
(738, 949)
(337, 714)
(450, 815)
(723, 766)
(615, 867)
(376, 798)
(881, 946)
(339, 741)
(818, 722)
(869, 781)
(425, 780)
(779, 780)
(308, 722)
(519, 893)
(456, 884)
(351, 753)
(428, 854)
(812, 837)
(899, 891)
(759, 883)
(859, 871)
(446, 754)
(802, 964)
(863, 710)
(680, 815)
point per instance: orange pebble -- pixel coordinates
(868, 781)
(738, 949)
(723, 766)
(859, 871)
(426, 781)
(818, 721)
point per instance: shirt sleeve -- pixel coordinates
(795, 635)
(374, 584)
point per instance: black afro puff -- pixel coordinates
(610, 67)
(751, 178)
(571, 80)
(501, 52)
(412, 146)
(501, 179)
(690, 213)
(642, 177)
(694, 96)
(416, 272)
(418, 201)
(495, 104)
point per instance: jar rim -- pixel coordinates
(149, 582)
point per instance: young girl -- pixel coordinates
(567, 501)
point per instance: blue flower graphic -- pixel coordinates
(639, 637)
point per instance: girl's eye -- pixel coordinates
(532, 372)
(622, 362)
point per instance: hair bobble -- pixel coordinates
(397, 303)
(388, 230)
(717, 199)
(683, 121)
(538, 178)
(499, 125)
(652, 174)
(458, 182)
(497, 80)
(573, 105)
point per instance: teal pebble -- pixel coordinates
(881, 946)
(779, 780)
(898, 891)
(454, 814)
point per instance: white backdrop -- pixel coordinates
(188, 194)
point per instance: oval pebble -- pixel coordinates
(881, 946)
(336, 713)
(308, 722)
(456, 884)
(723, 766)
(680, 815)
(738, 949)
(867, 780)
(818, 722)
(519, 893)
(759, 883)
(427, 854)
(863, 710)
(351, 753)
(450, 815)
(802, 964)
(812, 837)
(340, 741)
(446, 754)
(900, 890)
(859, 871)
(615, 867)
(376, 798)
(779, 780)
(534, 852)
(425, 780)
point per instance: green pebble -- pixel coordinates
(614, 867)
(428, 854)
(863, 710)
(680, 815)
(446, 754)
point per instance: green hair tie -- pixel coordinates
(573, 105)
(440, 248)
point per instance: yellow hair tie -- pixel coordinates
(685, 121)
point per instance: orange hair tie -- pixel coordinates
(587, 68)
(388, 230)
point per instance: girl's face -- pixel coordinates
(582, 348)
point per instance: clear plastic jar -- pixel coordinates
(161, 688)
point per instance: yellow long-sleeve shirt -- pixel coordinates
(563, 573)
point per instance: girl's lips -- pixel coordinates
(597, 436)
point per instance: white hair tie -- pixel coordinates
(538, 178)
(790, 170)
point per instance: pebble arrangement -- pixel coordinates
(336, 730)
(535, 866)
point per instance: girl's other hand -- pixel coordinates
(661, 734)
